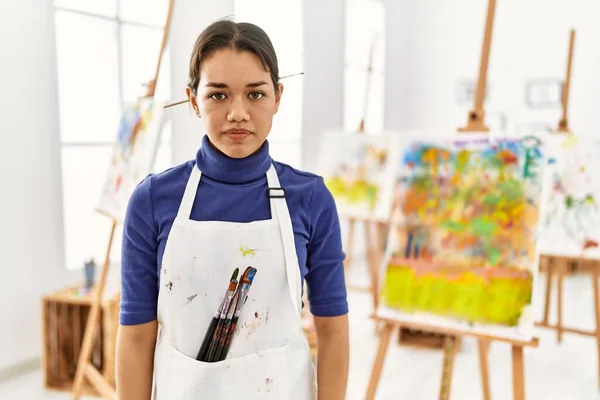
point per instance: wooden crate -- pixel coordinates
(64, 317)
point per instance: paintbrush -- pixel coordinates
(243, 296)
(223, 335)
(245, 281)
(215, 319)
(230, 311)
(209, 342)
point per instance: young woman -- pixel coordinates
(233, 206)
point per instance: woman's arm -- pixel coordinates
(327, 295)
(136, 337)
(333, 349)
(135, 361)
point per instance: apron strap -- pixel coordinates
(187, 202)
(280, 211)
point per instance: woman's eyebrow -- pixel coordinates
(216, 85)
(256, 84)
(224, 86)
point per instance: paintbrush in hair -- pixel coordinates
(214, 321)
(245, 284)
(212, 346)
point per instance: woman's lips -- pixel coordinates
(237, 134)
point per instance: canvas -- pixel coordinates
(462, 254)
(571, 219)
(133, 155)
(359, 171)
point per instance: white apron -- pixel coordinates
(269, 357)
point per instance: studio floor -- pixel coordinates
(552, 372)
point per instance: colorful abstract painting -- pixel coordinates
(571, 219)
(462, 254)
(359, 170)
(133, 156)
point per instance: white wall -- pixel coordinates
(32, 238)
(432, 43)
(190, 17)
(323, 74)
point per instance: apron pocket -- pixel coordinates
(260, 375)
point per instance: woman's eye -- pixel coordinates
(256, 95)
(217, 96)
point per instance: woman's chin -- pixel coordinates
(237, 147)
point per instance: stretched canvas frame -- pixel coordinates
(462, 249)
(133, 156)
(571, 220)
(359, 170)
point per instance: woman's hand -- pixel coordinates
(332, 356)
(135, 361)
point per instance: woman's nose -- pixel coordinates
(238, 111)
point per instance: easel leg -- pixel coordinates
(86, 349)
(560, 277)
(92, 325)
(448, 366)
(349, 244)
(484, 347)
(371, 260)
(384, 343)
(380, 230)
(549, 272)
(518, 373)
(597, 314)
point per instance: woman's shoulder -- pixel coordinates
(295, 179)
(157, 185)
(175, 174)
(306, 185)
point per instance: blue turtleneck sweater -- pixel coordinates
(226, 183)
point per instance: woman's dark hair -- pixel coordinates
(241, 36)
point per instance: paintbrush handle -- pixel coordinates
(229, 330)
(212, 348)
(229, 337)
(207, 337)
(221, 341)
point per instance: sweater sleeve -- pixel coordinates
(325, 259)
(139, 271)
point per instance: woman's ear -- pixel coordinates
(278, 97)
(193, 101)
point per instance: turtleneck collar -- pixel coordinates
(219, 167)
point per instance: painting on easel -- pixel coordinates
(462, 249)
(571, 220)
(359, 171)
(133, 155)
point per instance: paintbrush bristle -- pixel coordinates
(248, 269)
(235, 274)
(250, 275)
(232, 285)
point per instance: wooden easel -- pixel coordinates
(560, 265)
(449, 356)
(374, 248)
(85, 369)
(476, 120)
(563, 124)
(475, 123)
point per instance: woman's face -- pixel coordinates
(236, 100)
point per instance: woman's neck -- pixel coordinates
(220, 167)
